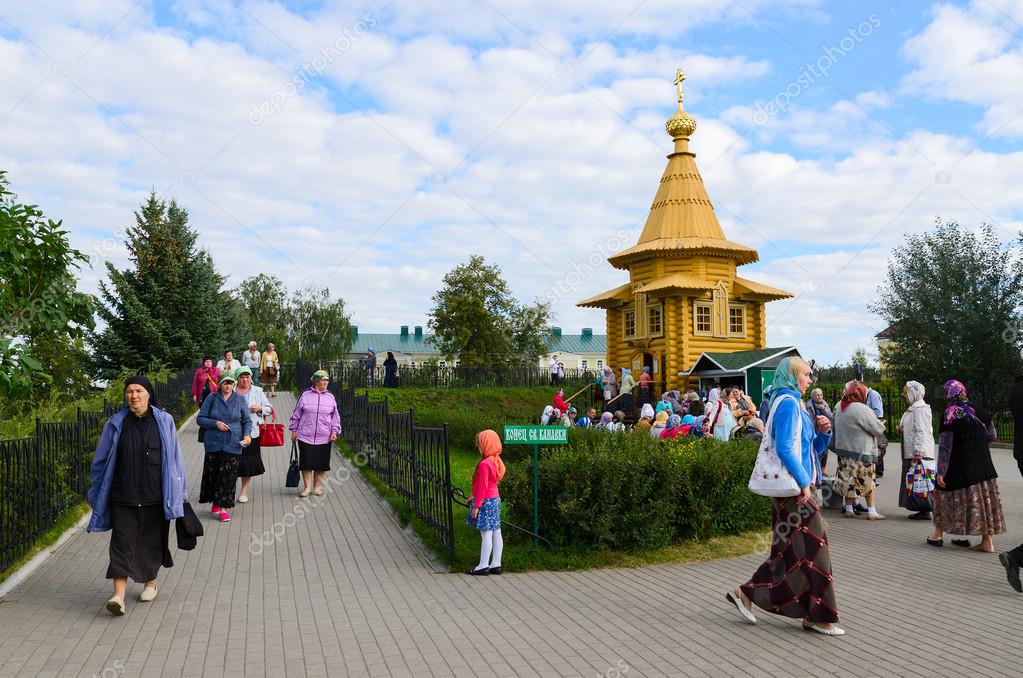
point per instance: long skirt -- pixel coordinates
(903, 494)
(975, 510)
(219, 474)
(854, 478)
(251, 462)
(313, 457)
(795, 580)
(268, 376)
(138, 542)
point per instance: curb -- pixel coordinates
(29, 568)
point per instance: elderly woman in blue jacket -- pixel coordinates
(138, 486)
(795, 580)
(224, 416)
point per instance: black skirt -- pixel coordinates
(219, 474)
(314, 457)
(138, 542)
(251, 462)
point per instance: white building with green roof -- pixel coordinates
(412, 346)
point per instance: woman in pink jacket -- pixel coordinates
(315, 424)
(205, 381)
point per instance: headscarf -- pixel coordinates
(914, 391)
(959, 403)
(713, 396)
(626, 371)
(699, 421)
(755, 423)
(785, 376)
(490, 447)
(855, 392)
(619, 416)
(546, 416)
(646, 369)
(688, 419)
(646, 411)
(665, 396)
(673, 422)
(606, 418)
(662, 417)
(143, 381)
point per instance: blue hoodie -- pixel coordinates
(175, 482)
(804, 462)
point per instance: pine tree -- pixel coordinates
(169, 307)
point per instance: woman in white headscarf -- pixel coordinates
(545, 418)
(917, 429)
(610, 384)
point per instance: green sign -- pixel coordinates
(536, 435)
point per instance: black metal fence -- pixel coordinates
(44, 475)
(412, 460)
(894, 405)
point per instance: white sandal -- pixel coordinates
(833, 631)
(737, 601)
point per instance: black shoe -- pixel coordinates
(494, 570)
(483, 572)
(965, 543)
(935, 542)
(859, 510)
(920, 515)
(1011, 571)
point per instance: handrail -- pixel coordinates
(568, 400)
(621, 394)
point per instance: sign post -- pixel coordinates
(536, 436)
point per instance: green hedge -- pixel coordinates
(624, 490)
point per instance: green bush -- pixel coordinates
(624, 490)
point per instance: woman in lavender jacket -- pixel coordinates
(315, 424)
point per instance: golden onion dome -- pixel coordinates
(680, 124)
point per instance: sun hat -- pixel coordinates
(228, 376)
(244, 369)
(320, 374)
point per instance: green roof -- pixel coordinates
(410, 343)
(740, 360)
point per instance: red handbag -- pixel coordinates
(272, 434)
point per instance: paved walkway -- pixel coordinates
(333, 587)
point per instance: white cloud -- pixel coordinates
(973, 55)
(464, 142)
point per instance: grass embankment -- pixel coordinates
(63, 524)
(467, 411)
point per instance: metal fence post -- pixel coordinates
(447, 499)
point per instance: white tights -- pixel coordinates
(490, 549)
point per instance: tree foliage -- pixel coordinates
(43, 316)
(308, 323)
(475, 318)
(169, 307)
(953, 300)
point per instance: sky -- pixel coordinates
(370, 147)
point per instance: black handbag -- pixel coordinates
(188, 528)
(293, 474)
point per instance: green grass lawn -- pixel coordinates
(64, 523)
(467, 411)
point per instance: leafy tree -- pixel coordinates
(475, 318)
(265, 300)
(317, 326)
(41, 312)
(169, 307)
(952, 298)
(861, 357)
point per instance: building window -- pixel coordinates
(736, 320)
(655, 327)
(586, 363)
(443, 363)
(412, 363)
(629, 323)
(702, 311)
(600, 364)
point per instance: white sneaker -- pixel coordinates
(148, 594)
(242, 498)
(115, 606)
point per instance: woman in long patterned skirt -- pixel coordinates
(967, 500)
(795, 581)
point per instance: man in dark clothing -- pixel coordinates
(1012, 560)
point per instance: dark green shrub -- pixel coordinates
(624, 490)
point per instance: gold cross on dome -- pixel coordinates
(680, 75)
